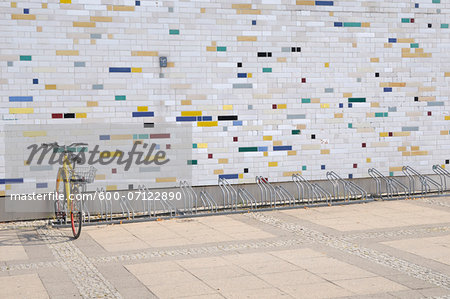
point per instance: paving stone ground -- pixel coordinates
(394, 249)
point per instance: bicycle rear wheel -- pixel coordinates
(61, 196)
(76, 214)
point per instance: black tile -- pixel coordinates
(69, 115)
(245, 170)
(227, 117)
(149, 125)
(377, 74)
(262, 54)
(239, 64)
(313, 136)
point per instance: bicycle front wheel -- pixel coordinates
(76, 214)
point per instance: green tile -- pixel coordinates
(174, 31)
(25, 58)
(221, 49)
(304, 167)
(194, 145)
(191, 162)
(267, 70)
(82, 149)
(248, 149)
(356, 100)
(379, 114)
(436, 1)
(135, 136)
(121, 98)
(414, 45)
(406, 20)
(295, 132)
(350, 125)
(391, 173)
(143, 136)
(352, 24)
(444, 25)
(306, 101)
(385, 114)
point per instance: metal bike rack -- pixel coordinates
(125, 205)
(229, 194)
(270, 194)
(247, 197)
(190, 197)
(207, 201)
(105, 205)
(314, 192)
(392, 185)
(443, 174)
(350, 189)
(424, 180)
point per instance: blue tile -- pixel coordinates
(120, 69)
(253, 22)
(416, 5)
(263, 148)
(237, 123)
(337, 24)
(341, 105)
(11, 181)
(350, 176)
(282, 148)
(392, 40)
(243, 85)
(228, 176)
(35, 81)
(322, 167)
(350, 105)
(324, 3)
(97, 86)
(41, 185)
(143, 114)
(186, 118)
(387, 89)
(26, 11)
(207, 118)
(105, 137)
(242, 75)
(138, 3)
(21, 99)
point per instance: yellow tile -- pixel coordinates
(273, 164)
(136, 70)
(123, 8)
(111, 187)
(8, 187)
(241, 175)
(292, 153)
(354, 45)
(142, 108)
(227, 107)
(13, 4)
(290, 173)
(110, 7)
(305, 2)
(100, 177)
(447, 74)
(241, 6)
(92, 104)
(384, 134)
(218, 171)
(213, 43)
(81, 115)
(67, 52)
(338, 115)
(186, 102)
(191, 113)
(282, 106)
(108, 154)
(387, 45)
(368, 160)
(211, 49)
(23, 17)
(267, 138)
(444, 132)
(331, 13)
(65, 1)
(405, 40)
(325, 152)
(327, 64)
(406, 153)
(375, 104)
(401, 148)
(44, 5)
(324, 105)
(278, 143)
(166, 180)
(395, 168)
(110, 36)
(223, 161)
(249, 75)
(447, 117)
(281, 59)
(39, 29)
(2, 193)
(246, 38)
(365, 25)
(400, 134)
(202, 10)
(121, 137)
(21, 110)
(415, 148)
(266, 154)
(202, 145)
(370, 114)
(101, 19)
(26, 163)
(34, 133)
(315, 100)
(83, 24)
(419, 153)
(207, 124)
(50, 86)
(374, 59)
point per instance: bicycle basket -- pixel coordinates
(87, 174)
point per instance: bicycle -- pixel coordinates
(71, 181)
